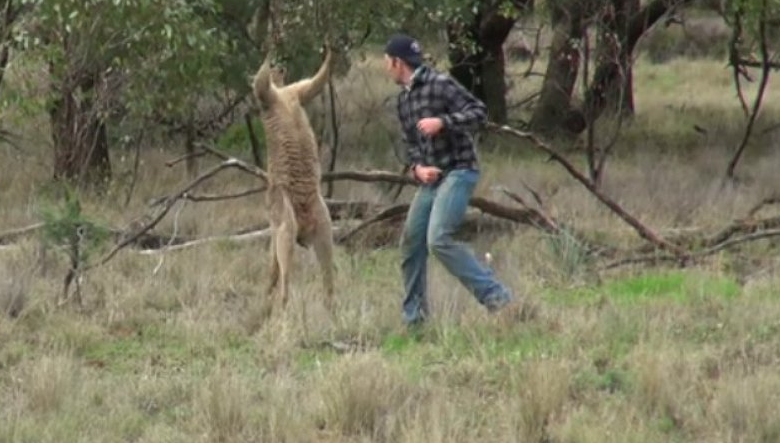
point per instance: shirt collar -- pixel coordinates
(416, 75)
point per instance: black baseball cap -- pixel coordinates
(406, 48)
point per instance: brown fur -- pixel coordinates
(297, 208)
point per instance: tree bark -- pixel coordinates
(553, 111)
(80, 144)
(79, 134)
(477, 56)
(9, 14)
(609, 73)
(619, 94)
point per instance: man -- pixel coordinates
(437, 117)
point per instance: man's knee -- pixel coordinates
(439, 242)
(411, 240)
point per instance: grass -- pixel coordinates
(181, 347)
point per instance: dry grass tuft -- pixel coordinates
(364, 396)
(49, 383)
(222, 405)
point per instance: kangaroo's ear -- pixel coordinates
(309, 88)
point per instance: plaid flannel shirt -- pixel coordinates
(434, 94)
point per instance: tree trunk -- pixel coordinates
(608, 77)
(79, 136)
(481, 69)
(619, 94)
(9, 14)
(553, 111)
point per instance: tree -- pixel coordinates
(553, 110)
(625, 24)
(110, 59)
(476, 37)
(620, 25)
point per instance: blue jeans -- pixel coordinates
(435, 215)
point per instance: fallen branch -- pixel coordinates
(368, 176)
(211, 197)
(523, 216)
(234, 238)
(643, 231)
(737, 241)
(185, 157)
(11, 236)
(393, 211)
(549, 224)
(240, 164)
(263, 233)
(765, 202)
(169, 203)
(652, 258)
(742, 226)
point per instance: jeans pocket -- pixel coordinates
(466, 176)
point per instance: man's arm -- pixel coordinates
(464, 111)
(414, 155)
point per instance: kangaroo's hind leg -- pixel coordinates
(323, 248)
(283, 243)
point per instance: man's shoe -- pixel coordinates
(517, 310)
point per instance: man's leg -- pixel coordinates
(449, 208)
(414, 255)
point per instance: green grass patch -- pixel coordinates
(677, 286)
(168, 349)
(453, 343)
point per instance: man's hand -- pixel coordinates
(430, 126)
(427, 174)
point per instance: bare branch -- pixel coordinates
(548, 224)
(254, 142)
(738, 71)
(654, 258)
(765, 202)
(368, 176)
(263, 233)
(13, 234)
(643, 231)
(765, 58)
(334, 128)
(393, 211)
(169, 203)
(757, 64)
(221, 197)
(240, 164)
(185, 157)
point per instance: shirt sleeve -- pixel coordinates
(464, 111)
(413, 153)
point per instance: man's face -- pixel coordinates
(393, 67)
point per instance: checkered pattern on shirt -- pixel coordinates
(434, 94)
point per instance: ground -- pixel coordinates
(179, 347)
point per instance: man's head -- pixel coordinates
(402, 56)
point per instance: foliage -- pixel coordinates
(235, 139)
(747, 16)
(65, 225)
(140, 56)
(570, 254)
